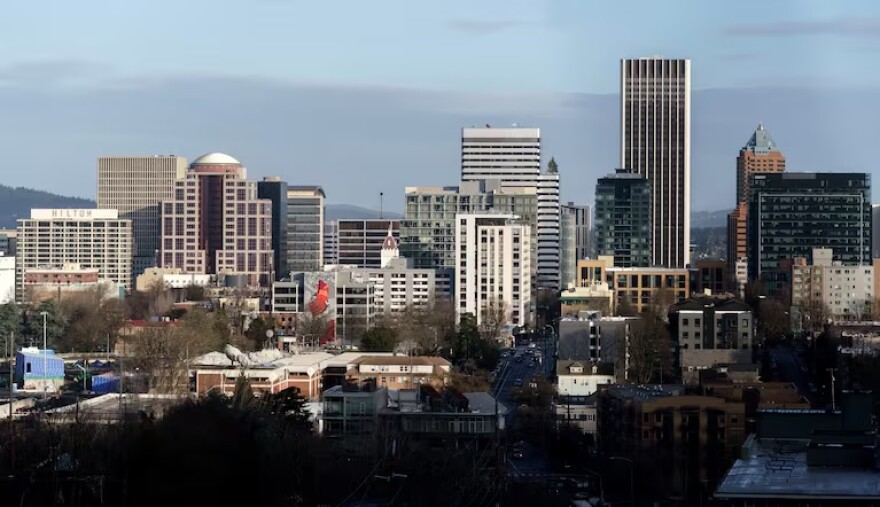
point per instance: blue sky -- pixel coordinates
(471, 61)
(504, 45)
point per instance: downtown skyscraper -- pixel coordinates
(655, 122)
(135, 186)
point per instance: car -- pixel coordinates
(517, 454)
(517, 382)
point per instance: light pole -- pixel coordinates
(45, 358)
(632, 482)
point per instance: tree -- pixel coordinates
(313, 328)
(625, 308)
(814, 315)
(662, 301)
(257, 329)
(10, 320)
(773, 318)
(379, 339)
(648, 349)
(194, 293)
(494, 317)
(163, 354)
(754, 293)
(56, 324)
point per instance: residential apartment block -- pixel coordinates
(845, 292)
(428, 227)
(90, 238)
(494, 260)
(790, 214)
(623, 219)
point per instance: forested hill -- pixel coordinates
(17, 203)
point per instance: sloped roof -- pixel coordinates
(761, 142)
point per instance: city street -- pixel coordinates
(529, 461)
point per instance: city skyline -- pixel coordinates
(288, 120)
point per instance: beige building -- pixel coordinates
(639, 286)
(91, 238)
(846, 291)
(135, 186)
(215, 224)
(400, 372)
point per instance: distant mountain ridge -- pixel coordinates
(709, 219)
(17, 202)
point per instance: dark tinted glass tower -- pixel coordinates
(623, 219)
(790, 214)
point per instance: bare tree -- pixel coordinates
(493, 318)
(648, 349)
(662, 301)
(773, 318)
(814, 314)
(163, 353)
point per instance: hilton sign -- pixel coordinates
(74, 214)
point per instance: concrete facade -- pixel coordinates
(135, 186)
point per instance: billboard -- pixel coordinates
(319, 296)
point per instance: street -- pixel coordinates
(530, 461)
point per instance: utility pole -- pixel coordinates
(45, 359)
(831, 372)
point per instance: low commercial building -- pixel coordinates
(171, 278)
(38, 370)
(596, 297)
(351, 410)
(711, 276)
(808, 457)
(686, 438)
(269, 371)
(578, 412)
(401, 372)
(642, 288)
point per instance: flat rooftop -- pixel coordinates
(778, 469)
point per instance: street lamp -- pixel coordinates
(632, 483)
(45, 358)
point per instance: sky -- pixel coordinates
(336, 92)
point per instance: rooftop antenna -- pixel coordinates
(381, 203)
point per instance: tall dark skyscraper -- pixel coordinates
(275, 190)
(623, 219)
(655, 112)
(790, 214)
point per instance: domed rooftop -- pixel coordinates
(216, 158)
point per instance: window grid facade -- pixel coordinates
(655, 133)
(94, 239)
(135, 186)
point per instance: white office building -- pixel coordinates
(7, 279)
(92, 238)
(548, 229)
(493, 252)
(511, 155)
(655, 133)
